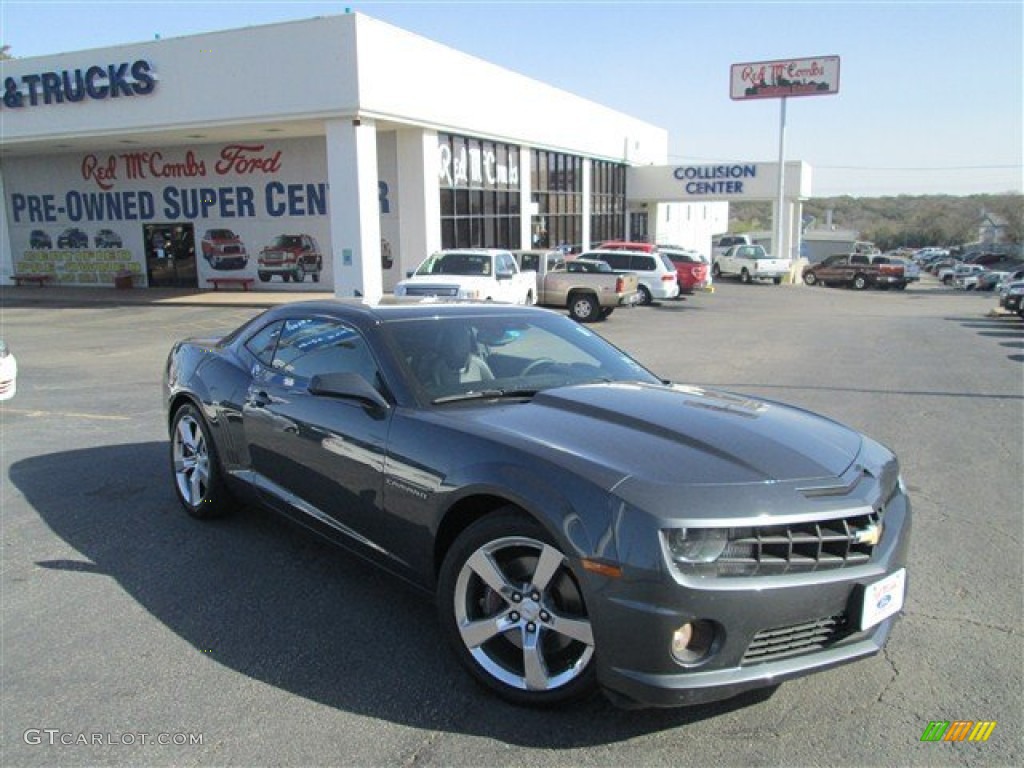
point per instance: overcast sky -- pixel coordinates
(930, 100)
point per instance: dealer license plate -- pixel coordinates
(883, 599)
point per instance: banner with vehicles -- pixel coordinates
(175, 216)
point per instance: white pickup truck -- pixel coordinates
(485, 274)
(750, 262)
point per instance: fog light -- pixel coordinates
(692, 641)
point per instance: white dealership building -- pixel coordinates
(362, 150)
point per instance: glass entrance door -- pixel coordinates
(170, 255)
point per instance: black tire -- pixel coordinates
(716, 271)
(606, 311)
(195, 466)
(810, 278)
(584, 307)
(263, 276)
(299, 275)
(777, 280)
(316, 276)
(286, 277)
(489, 631)
(745, 276)
(645, 296)
(860, 282)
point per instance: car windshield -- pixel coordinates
(287, 241)
(488, 356)
(221, 234)
(456, 264)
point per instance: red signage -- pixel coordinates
(787, 77)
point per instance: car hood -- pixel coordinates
(622, 434)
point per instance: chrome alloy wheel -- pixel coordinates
(521, 616)
(191, 461)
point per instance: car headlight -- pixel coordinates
(697, 545)
(469, 293)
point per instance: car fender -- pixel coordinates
(579, 516)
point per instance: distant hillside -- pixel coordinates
(890, 222)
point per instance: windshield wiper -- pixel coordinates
(484, 394)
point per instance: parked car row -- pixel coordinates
(74, 238)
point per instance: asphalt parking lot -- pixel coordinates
(125, 623)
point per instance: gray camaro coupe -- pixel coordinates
(582, 523)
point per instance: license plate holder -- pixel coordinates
(883, 598)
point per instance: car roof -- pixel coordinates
(395, 309)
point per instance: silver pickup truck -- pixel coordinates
(589, 289)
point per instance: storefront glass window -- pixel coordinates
(479, 187)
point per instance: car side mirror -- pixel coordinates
(410, 273)
(347, 386)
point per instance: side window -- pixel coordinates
(858, 259)
(506, 263)
(309, 346)
(531, 261)
(643, 264)
(615, 260)
(263, 343)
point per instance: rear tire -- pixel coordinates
(263, 276)
(645, 296)
(195, 466)
(860, 282)
(583, 307)
(745, 276)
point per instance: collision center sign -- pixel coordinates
(817, 76)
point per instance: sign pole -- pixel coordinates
(780, 197)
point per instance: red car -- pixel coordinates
(691, 270)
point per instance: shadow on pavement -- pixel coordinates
(276, 604)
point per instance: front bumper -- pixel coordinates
(637, 621)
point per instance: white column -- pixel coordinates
(585, 231)
(355, 217)
(526, 207)
(419, 200)
(6, 252)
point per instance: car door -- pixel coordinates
(317, 456)
(833, 269)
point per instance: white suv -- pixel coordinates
(656, 272)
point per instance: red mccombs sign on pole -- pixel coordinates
(817, 76)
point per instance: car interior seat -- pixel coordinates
(458, 361)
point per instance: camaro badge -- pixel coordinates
(870, 535)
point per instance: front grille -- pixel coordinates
(431, 290)
(778, 643)
(768, 550)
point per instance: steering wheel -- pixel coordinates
(537, 364)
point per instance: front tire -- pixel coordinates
(860, 282)
(716, 271)
(198, 479)
(263, 276)
(513, 612)
(810, 278)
